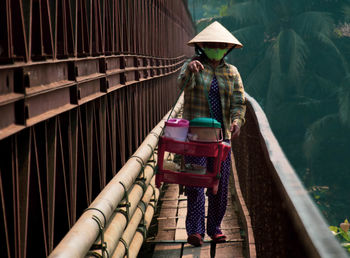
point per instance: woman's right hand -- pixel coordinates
(195, 66)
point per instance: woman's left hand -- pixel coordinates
(235, 130)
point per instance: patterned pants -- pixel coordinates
(216, 203)
(195, 219)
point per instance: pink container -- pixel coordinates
(177, 129)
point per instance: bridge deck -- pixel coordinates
(171, 237)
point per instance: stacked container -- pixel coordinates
(177, 129)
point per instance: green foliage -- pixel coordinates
(344, 101)
(346, 12)
(313, 23)
(342, 233)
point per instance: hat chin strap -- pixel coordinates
(234, 46)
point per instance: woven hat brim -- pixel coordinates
(217, 33)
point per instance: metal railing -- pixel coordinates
(82, 83)
(284, 219)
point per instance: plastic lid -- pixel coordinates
(177, 122)
(205, 122)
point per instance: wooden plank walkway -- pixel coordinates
(171, 239)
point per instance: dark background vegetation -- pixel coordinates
(295, 63)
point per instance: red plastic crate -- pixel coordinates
(218, 151)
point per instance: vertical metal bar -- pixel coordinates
(137, 117)
(154, 29)
(138, 28)
(60, 30)
(147, 22)
(144, 108)
(5, 27)
(35, 36)
(14, 177)
(64, 175)
(120, 10)
(69, 30)
(113, 140)
(103, 26)
(23, 146)
(111, 135)
(102, 135)
(122, 125)
(47, 28)
(51, 154)
(72, 145)
(135, 28)
(90, 27)
(129, 120)
(33, 213)
(162, 29)
(82, 28)
(127, 27)
(140, 111)
(4, 212)
(148, 111)
(89, 146)
(17, 34)
(83, 158)
(158, 29)
(150, 29)
(76, 25)
(40, 43)
(143, 22)
(113, 27)
(96, 30)
(109, 145)
(108, 28)
(96, 150)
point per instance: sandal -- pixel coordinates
(195, 239)
(219, 238)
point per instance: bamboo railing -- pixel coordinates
(136, 180)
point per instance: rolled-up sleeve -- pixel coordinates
(186, 76)
(238, 101)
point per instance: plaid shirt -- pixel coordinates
(197, 90)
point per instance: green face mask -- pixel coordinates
(215, 53)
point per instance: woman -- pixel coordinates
(209, 78)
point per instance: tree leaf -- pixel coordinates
(257, 81)
(309, 23)
(293, 54)
(247, 11)
(344, 101)
(346, 12)
(334, 229)
(330, 44)
(247, 33)
(344, 234)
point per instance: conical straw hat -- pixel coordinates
(215, 32)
